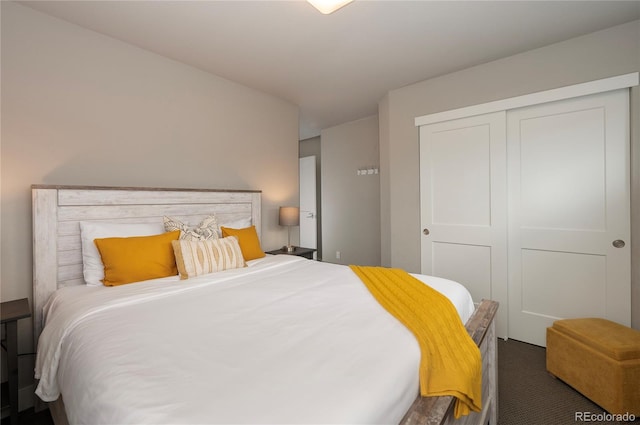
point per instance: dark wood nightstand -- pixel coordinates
(299, 251)
(11, 312)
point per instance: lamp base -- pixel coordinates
(289, 248)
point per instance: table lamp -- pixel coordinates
(289, 216)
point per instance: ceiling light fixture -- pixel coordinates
(328, 6)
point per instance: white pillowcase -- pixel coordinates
(92, 266)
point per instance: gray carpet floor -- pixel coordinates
(529, 395)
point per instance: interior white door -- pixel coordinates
(308, 208)
(463, 205)
(569, 213)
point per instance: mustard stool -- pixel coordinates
(600, 359)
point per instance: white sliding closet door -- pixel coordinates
(463, 205)
(569, 220)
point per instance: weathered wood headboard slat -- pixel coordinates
(58, 210)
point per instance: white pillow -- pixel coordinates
(92, 266)
(241, 223)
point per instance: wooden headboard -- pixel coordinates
(58, 210)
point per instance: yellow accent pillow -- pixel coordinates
(137, 258)
(248, 240)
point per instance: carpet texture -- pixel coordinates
(529, 395)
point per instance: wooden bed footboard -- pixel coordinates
(439, 410)
(58, 413)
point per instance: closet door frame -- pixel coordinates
(592, 87)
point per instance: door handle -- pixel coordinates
(310, 215)
(618, 243)
(425, 232)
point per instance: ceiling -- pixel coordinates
(337, 67)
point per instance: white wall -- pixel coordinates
(82, 108)
(606, 53)
(350, 203)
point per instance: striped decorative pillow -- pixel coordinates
(195, 258)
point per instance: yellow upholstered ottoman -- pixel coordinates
(600, 359)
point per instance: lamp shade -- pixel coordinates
(289, 216)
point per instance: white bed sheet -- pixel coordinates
(286, 340)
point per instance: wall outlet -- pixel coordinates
(337, 255)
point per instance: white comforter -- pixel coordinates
(287, 340)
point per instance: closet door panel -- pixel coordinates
(463, 205)
(577, 282)
(461, 176)
(568, 194)
(561, 158)
(476, 272)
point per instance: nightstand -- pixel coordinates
(11, 312)
(299, 251)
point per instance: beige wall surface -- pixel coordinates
(606, 53)
(309, 147)
(79, 108)
(350, 202)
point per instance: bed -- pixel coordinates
(269, 343)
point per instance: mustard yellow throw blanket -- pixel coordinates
(450, 362)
